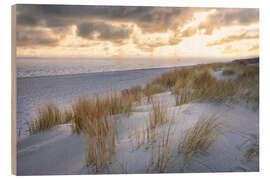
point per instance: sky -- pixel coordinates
(136, 31)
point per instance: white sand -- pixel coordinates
(63, 89)
(58, 151)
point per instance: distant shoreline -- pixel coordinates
(33, 72)
(106, 72)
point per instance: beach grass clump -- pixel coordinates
(204, 87)
(159, 114)
(48, 116)
(204, 80)
(153, 88)
(228, 72)
(217, 66)
(252, 151)
(135, 93)
(94, 108)
(248, 84)
(185, 96)
(68, 115)
(193, 79)
(161, 153)
(198, 84)
(92, 117)
(87, 109)
(254, 99)
(117, 104)
(200, 136)
(224, 90)
(249, 77)
(167, 79)
(101, 143)
(183, 83)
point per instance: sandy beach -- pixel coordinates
(63, 89)
(60, 151)
(119, 89)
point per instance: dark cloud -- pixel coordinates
(103, 31)
(34, 37)
(229, 17)
(95, 22)
(233, 38)
(150, 19)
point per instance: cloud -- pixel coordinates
(188, 32)
(229, 17)
(229, 50)
(103, 31)
(36, 37)
(233, 38)
(254, 48)
(149, 42)
(47, 25)
(150, 19)
(150, 46)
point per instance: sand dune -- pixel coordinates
(59, 151)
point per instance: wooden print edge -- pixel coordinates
(13, 92)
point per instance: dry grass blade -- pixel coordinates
(135, 93)
(185, 96)
(92, 117)
(228, 72)
(159, 114)
(151, 89)
(101, 143)
(49, 115)
(200, 136)
(68, 115)
(162, 154)
(252, 151)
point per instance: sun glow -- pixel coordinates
(129, 38)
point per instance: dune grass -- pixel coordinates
(94, 108)
(223, 90)
(151, 89)
(194, 79)
(204, 87)
(200, 136)
(92, 117)
(249, 77)
(185, 96)
(48, 116)
(248, 84)
(198, 84)
(161, 155)
(252, 151)
(188, 84)
(68, 115)
(101, 143)
(177, 79)
(159, 114)
(135, 93)
(228, 72)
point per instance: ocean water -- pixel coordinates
(37, 66)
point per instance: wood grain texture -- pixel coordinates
(13, 92)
